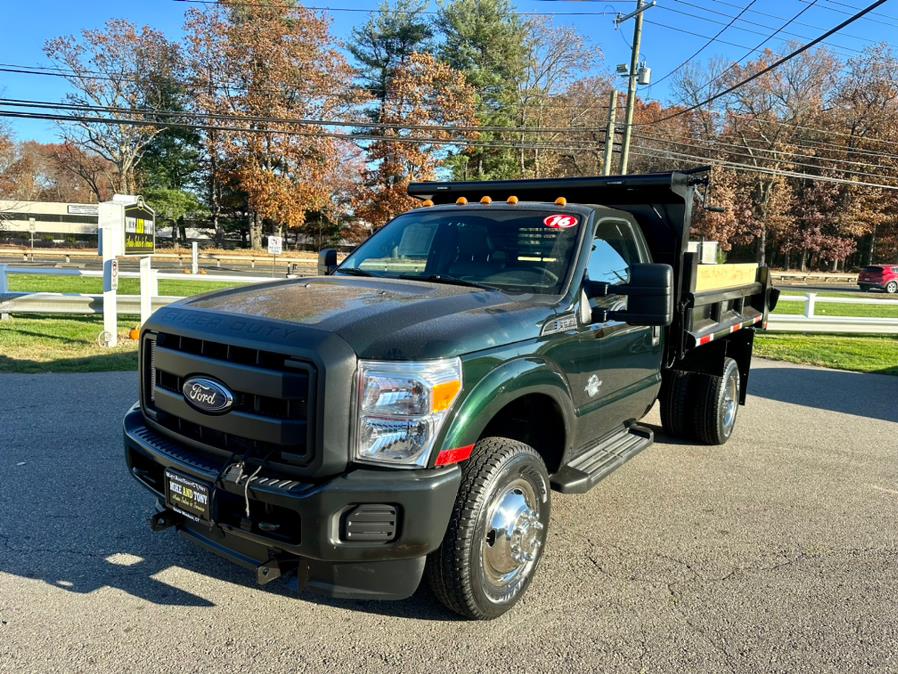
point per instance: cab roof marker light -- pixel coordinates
(461, 201)
(486, 200)
(561, 201)
(427, 203)
(512, 200)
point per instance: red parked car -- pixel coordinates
(882, 276)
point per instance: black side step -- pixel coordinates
(585, 471)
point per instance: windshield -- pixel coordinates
(508, 249)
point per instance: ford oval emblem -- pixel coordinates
(207, 395)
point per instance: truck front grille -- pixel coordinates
(273, 411)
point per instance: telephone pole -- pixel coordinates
(632, 78)
(609, 134)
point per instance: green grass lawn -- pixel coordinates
(23, 283)
(859, 353)
(63, 345)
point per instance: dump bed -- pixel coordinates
(710, 302)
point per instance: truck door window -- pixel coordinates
(614, 248)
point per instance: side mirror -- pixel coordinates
(649, 296)
(327, 262)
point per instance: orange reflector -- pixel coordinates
(561, 201)
(461, 201)
(444, 395)
(486, 200)
(426, 203)
(447, 457)
(512, 199)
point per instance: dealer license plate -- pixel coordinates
(187, 496)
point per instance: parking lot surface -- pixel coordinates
(775, 552)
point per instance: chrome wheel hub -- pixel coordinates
(513, 537)
(730, 403)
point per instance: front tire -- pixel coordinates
(716, 403)
(497, 532)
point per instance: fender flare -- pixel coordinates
(503, 385)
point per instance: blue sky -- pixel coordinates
(674, 30)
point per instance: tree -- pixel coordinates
(173, 206)
(487, 41)
(385, 43)
(555, 58)
(423, 91)
(270, 62)
(125, 70)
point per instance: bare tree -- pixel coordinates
(125, 71)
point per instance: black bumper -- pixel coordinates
(309, 519)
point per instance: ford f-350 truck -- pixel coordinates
(410, 411)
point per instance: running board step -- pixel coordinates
(588, 469)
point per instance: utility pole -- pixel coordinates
(609, 134)
(632, 78)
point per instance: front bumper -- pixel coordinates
(301, 524)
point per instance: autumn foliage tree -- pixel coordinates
(422, 92)
(271, 64)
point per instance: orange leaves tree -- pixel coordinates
(422, 92)
(271, 64)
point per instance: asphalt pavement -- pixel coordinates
(776, 552)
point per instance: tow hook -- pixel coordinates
(269, 571)
(163, 520)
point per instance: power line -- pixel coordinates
(295, 121)
(418, 140)
(777, 18)
(695, 159)
(773, 65)
(852, 8)
(806, 127)
(755, 48)
(784, 153)
(792, 162)
(706, 45)
(765, 26)
(362, 10)
(96, 75)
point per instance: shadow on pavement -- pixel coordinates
(864, 395)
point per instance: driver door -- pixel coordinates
(617, 374)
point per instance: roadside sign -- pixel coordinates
(140, 230)
(275, 245)
(113, 275)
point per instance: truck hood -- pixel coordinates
(390, 319)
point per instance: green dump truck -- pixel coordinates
(410, 411)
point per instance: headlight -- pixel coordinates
(401, 408)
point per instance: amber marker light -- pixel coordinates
(461, 201)
(486, 200)
(444, 395)
(427, 203)
(512, 200)
(561, 201)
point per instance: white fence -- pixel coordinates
(71, 303)
(810, 321)
(58, 303)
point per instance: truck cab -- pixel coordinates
(410, 411)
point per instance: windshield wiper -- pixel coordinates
(444, 278)
(353, 271)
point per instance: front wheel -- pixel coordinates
(497, 532)
(892, 287)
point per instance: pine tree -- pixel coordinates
(487, 41)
